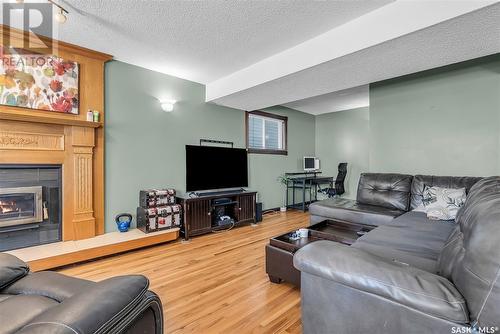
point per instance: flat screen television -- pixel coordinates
(210, 167)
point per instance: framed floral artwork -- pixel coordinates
(39, 82)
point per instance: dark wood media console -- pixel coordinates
(200, 213)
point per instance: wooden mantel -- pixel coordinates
(36, 117)
(30, 136)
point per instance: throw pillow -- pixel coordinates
(443, 203)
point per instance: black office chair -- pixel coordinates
(339, 182)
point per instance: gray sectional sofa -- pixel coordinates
(409, 274)
(381, 197)
(388, 201)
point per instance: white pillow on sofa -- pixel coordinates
(443, 203)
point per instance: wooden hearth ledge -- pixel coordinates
(67, 252)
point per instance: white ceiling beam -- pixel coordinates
(389, 22)
(347, 99)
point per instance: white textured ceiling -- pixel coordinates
(352, 98)
(202, 40)
(295, 74)
(255, 54)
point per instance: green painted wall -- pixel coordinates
(145, 146)
(444, 121)
(343, 137)
(264, 169)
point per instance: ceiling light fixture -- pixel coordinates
(61, 14)
(167, 105)
(60, 17)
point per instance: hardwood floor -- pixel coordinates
(216, 283)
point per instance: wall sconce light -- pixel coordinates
(167, 105)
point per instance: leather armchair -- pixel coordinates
(48, 302)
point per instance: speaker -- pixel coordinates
(258, 211)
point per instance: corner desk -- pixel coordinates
(305, 181)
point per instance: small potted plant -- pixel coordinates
(283, 179)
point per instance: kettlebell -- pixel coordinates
(123, 221)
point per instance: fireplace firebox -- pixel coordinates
(30, 205)
(20, 205)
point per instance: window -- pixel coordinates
(266, 133)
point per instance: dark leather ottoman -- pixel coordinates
(280, 250)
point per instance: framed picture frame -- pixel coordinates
(41, 82)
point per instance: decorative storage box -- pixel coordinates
(156, 197)
(157, 210)
(155, 219)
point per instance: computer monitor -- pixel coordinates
(311, 164)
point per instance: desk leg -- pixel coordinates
(310, 192)
(286, 195)
(304, 195)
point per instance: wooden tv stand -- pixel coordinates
(199, 212)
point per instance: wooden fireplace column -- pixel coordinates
(78, 177)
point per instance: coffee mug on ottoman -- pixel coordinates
(303, 232)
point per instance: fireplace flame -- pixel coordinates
(8, 206)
